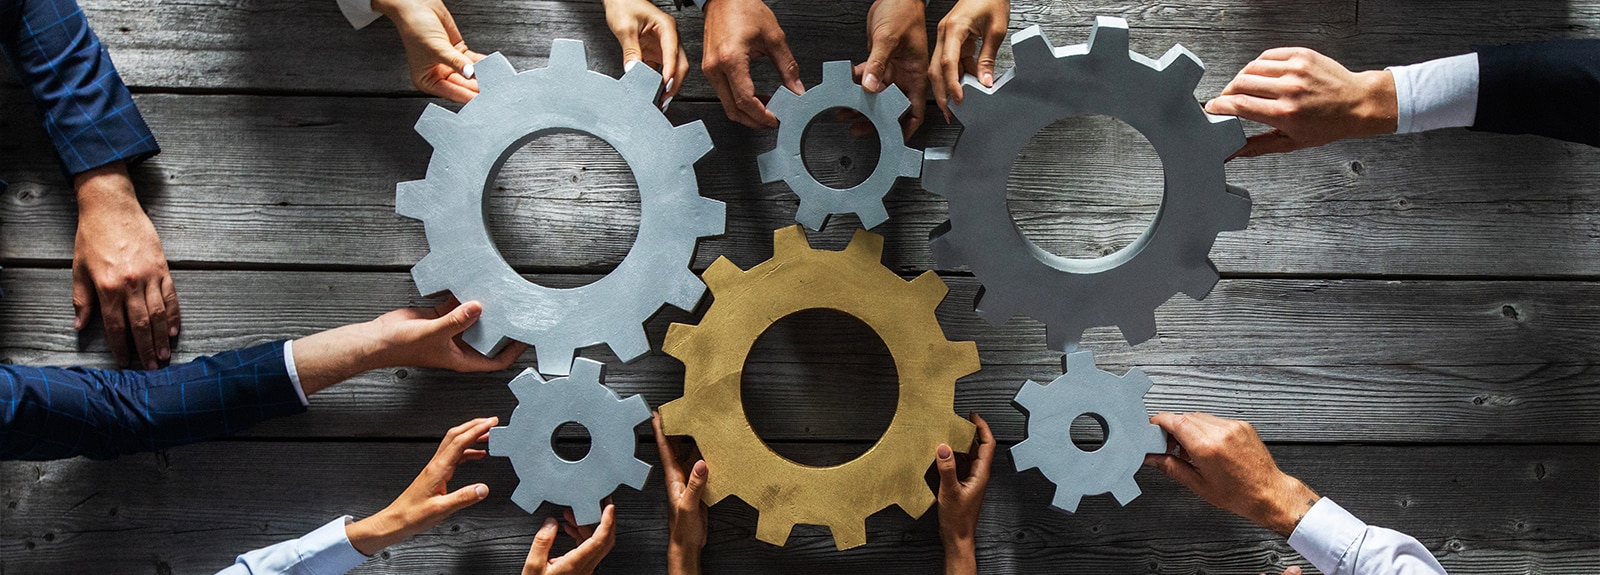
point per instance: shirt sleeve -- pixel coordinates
(1338, 543)
(294, 375)
(326, 551)
(359, 12)
(1550, 89)
(1437, 94)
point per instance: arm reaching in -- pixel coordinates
(961, 499)
(411, 336)
(651, 36)
(737, 33)
(594, 543)
(1309, 100)
(440, 63)
(118, 266)
(687, 516)
(958, 51)
(897, 37)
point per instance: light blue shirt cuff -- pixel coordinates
(1338, 543)
(1325, 534)
(294, 376)
(1436, 94)
(359, 12)
(326, 551)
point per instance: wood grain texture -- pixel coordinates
(1305, 360)
(1479, 509)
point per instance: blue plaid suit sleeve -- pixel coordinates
(87, 111)
(55, 412)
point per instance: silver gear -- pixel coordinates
(469, 148)
(1102, 77)
(839, 90)
(542, 406)
(1116, 402)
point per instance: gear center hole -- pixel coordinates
(833, 156)
(563, 192)
(819, 374)
(1085, 187)
(570, 441)
(1089, 432)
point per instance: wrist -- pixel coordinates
(960, 559)
(105, 190)
(683, 559)
(373, 534)
(1286, 504)
(1379, 109)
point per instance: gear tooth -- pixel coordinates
(811, 216)
(873, 215)
(1126, 491)
(675, 417)
(630, 344)
(866, 244)
(997, 311)
(789, 242)
(1029, 396)
(643, 82)
(553, 359)
(684, 290)
(783, 100)
(838, 71)
(586, 512)
(493, 70)
(1237, 208)
(1138, 329)
(1030, 49)
(929, 288)
(721, 274)
(773, 528)
(586, 370)
(849, 534)
(1198, 281)
(775, 165)
(432, 274)
(1155, 439)
(945, 254)
(569, 54)
(678, 335)
(481, 338)
(1025, 455)
(915, 502)
(526, 385)
(1138, 381)
(497, 441)
(893, 100)
(634, 408)
(910, 163)
(637, 474)
(1066, 500)
(414, 199)
(1183, 63)
(694, 140)
(1079, 362)
(1109, 37)
(1227, 134)
(527, 496)
(963, 360)
(713, 217)
(935, 167)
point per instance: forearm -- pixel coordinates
(682, 560)
(1282, 504)
(329, 357)
(373, 534)
(960, 558)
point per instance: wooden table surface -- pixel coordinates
(1409, 320)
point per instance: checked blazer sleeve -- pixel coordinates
(87, 111)
(55, 412)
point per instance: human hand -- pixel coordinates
(651, 36)
(957, 50)
(593, 545)
(419, 337)
(1224, 462)
(441, 64)
(117, 261)
(1309, 100)
(428, 500)
(737, 32)
(687, 517)
(897, 38)
(961, 498)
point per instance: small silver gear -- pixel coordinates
(1102, 77)
(839, 90)
(542, 406)
(469, 148)
(1116, 402)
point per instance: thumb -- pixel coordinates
(630, 49)
(459, 319)
(696, 485)
(464, 498)
(1273, 142)
(448, 55)
(82, 298)
(788, 67)
(875, 71)
(1292, 570)
(542, 541)
(946, 462)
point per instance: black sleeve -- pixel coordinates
(1550, 89)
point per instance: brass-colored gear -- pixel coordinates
(747, 303)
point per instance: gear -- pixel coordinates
(797, 278)
(1100, 78)
(794, 112)
(542, 406)
(1116, 402)
(469, 148)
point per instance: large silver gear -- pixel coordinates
(542, 406)
(839, 90)
(469, 148)
(1102, 77)
(1116, 402)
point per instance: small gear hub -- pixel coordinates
(798, 278)
(795, 112)
(469, 148)
(1117, 403)
(542, 407)
(1101, 78)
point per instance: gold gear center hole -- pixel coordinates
(1085, 187)
(832, 156)
(815, 375)
(570, 441)
(566, 193)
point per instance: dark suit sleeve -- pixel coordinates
(87, 111)
(55, 413)
(1548, 88)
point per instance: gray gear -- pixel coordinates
(1116, 402)
(839, 90)
(469, 148)
(1100, 78)
(542, 406)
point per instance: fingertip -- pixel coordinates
(700, 469)
(988, 79)
(467, 70)
(480, 490)
(943, 451)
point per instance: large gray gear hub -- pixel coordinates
(1099, 78)
(1116, 402)
(542, 406)
(839, 90)
(469, 148)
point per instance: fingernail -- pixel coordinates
(482, 491)
(549, 522)
(627, 66)
(869, 81)
(943, 451)
(668, 87)
(1292, 570)
(468, 71)
(164, 354)
(700, 468)
(988, 79)
(665, 103)
(172, 332)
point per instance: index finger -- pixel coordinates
(743, 90)
(667, 33)
(463, 436)
(986, 447)
(139, 323)
(669, 456)
(592, 550)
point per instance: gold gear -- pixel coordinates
(798, 278)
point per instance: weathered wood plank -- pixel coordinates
(1306, 360)
(310, 182)
(190, 510)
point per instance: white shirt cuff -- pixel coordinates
(1325, 534)
(294, 375)
(1437, 94)
(359, 12)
